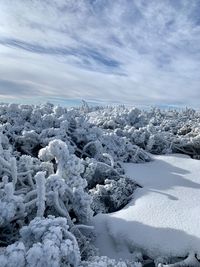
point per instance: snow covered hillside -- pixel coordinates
(63, 169)
(163, 217)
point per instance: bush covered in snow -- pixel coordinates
(44, 242)
(93, 131)
(59, 167)
(51, 186)
(112, 195)
(104, 261)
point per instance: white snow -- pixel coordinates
(163, 219)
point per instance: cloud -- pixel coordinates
(14, 88)
(136, 52)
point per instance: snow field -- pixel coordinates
(162, 218)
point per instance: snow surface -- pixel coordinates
(163, 219)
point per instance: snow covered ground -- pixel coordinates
(163, 219)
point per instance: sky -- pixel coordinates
(138, 52)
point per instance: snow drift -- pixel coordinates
(163, 217)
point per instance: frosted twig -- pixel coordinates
(21, 191)
(81, 226)
(4, 163)
(61, 210)
(6, 170)
(41, 198)
(31, 203)
(13, 168)
(106, 155)
(24, 173)
(9, 190)
(30, 180)
(110, 168)
(30, 194)
(136, 153)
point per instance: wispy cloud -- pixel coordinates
(139, 52)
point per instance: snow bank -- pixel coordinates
(163, 218)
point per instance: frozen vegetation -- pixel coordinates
(62, 169)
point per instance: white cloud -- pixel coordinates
(139, 52)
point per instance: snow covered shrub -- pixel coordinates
(13, 255)
(30, 128)
(40, 189)
(78, 172)
(44, 242)
(112, 195)
(67, 184)
(97, 172)
(109, 188)
(115, 117)
(12, 213)
(11, 206)
(66, 192)
(121, 149)
(49, 243)
(104, 261)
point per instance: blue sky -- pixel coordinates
(139, 52)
